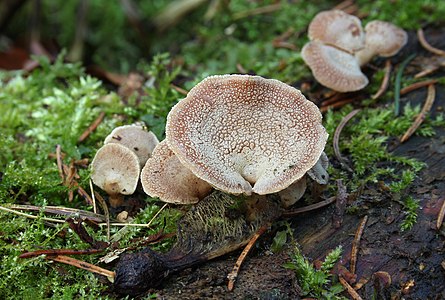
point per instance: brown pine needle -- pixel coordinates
(291, 213)
(441, 216)
(60, 162)
(341, 103)
(385, 81)
(422, 115)
(52, 252)
(426, 45)
(234, 274)
(179, 89)
(92, 127)
(336, 138)
(356, 244)
(416, 86)
(82, 265)
(354, 295)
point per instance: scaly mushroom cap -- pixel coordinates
(334, 68)
(338, 29)
(115, 169)
(134, 137)
(383, 39)
(236, 130)
(164, 176)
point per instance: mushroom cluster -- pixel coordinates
(117, 164)
(339, 47)
(239, 134)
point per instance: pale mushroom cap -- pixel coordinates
(164, 176)
(236, 130)
(115, 169)
(385, 38)
(338, 29)
(134, 137)
(334, 68)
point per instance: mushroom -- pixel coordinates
(164, 176)
(334, 68)
(115, 169)
(318, 172)
(134, 137)
(338, 29)
(236, 130)
(383, 39)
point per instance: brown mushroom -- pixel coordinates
(134, 137)
(236, 130)
(115, 169)
(164, 176)
(334, 68)
(338, 29)
(383, 39)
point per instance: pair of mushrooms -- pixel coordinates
(338, 47)
(117, 165)
(239, 134)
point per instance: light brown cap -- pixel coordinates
(383, 39)
(164, 176)
(134, 137)
(115, 169)
(236, 130)
(338, 29)
(334, 68)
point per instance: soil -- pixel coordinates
(414, 259)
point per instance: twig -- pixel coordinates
(240, 68)
(341, 103)
(422, 115)
(93, 197)
(92, 127)
(257, 11)
(440, 216)
(426, 72)
(349, 289)
(31, 216)
(416, 86)
(106, 212)
(154, 217)
(82, 265)
(291, 213)
(85, 195)
(60, 163)
(53, 252)
(336, 138)
(426, 45)
(356, 244)
(398, 84)
(234, 274)
(179, 89)
(59, 210)
(385, 81)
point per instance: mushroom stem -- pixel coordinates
(365, 55)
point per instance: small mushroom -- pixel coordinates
(334, 68)
(318, 172)
(115, 169)
(134, 137)
(235, 131)
(164, 176)
(338, 29)
(383, 39)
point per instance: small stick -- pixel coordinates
(60, 162)
(85, 195)
(416, 86)
(154, 217)
(426, 45)
(31, 216)
(257, 11)
(53, 252)
(179, 89)
(82, 265)
(356, 243)
(92, 127)
(398, 84)
(104, 206)
(385, 81)
(336, 138)
(240, 68)
(341, 103)
(440, 216)
(234, 274)
(291, 213)
(422, 115)
(354, 295)
(93, 197)
(426, 72)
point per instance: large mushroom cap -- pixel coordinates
(338, 29)
(134, 137)
(236, 130)
(164, 176)
(115, 169)
(334, 68)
